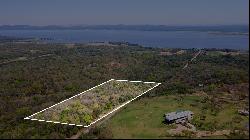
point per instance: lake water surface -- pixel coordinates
(163, 39)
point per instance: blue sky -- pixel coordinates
(164, 12)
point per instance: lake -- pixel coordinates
(163, 39)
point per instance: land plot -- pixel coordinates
(92, 105)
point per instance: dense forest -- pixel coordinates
(35, 76)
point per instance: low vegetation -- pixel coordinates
(91, 105)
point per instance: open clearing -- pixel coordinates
(90, 106)
(144, 118)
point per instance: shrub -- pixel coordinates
(87, 118)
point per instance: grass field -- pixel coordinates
(143, 118)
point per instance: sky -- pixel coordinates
(130, 12)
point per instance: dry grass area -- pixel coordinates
(169, 53)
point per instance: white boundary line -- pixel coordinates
(121, 106)
(56, 122)
(122, 80)
(135, 81)
(69, 98)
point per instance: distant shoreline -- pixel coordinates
(108, 43)
(215, 28)
(229, 33)
(157, 39)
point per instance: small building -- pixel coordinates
(201, 85)
(178, 116)
(243, 112)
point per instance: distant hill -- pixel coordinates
(219, 28)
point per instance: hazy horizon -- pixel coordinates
(129, 12)
(125, 25)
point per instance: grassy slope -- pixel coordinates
(143, 118)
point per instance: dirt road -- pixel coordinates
(195, 56)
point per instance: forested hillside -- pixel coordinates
(37, 75)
